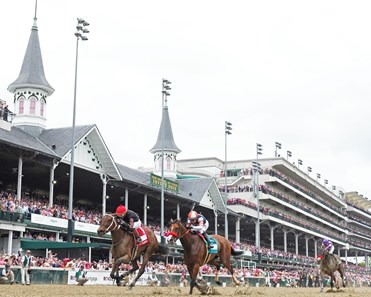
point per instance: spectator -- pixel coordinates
(26, 264)
(6, 275)
(81, 276)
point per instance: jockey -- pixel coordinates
(328, 246)
(129, 220)
(197, 222)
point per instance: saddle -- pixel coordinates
(214, 250)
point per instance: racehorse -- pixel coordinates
(196, 253)
(329, 266)
(125, 249)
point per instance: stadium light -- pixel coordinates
(257, 167)
(227, 131)
(318, 176)
(289, 154)
(300, 162)
(81, 30)
(309, 169)
(278, 147)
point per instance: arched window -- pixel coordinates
(168, 163)
(42, 106)
(21, 105)
(32, 105)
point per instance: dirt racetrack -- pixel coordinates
(17, 290)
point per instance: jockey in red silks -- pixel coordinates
(197, 222)
(129, 220)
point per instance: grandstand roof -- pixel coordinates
(60, 140)
(358, 200)
(16, 137)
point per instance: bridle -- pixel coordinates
(176, 236)
(113, 222)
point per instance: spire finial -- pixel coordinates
(35, 17)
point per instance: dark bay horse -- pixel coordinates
(329, 266)
(125, 250)
(196, 253)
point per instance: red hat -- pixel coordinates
(120, 210)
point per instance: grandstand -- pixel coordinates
(296, 211)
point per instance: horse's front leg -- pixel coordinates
(124, 259)
(146, 257)
(193, 271)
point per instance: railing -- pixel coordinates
(11, 216)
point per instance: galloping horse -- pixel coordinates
(328, 266)
(125, 250)
(196, 253)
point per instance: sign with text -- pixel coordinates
(169, 185)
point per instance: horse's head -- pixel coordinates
(107, 224)
(176, 230)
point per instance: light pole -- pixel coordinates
(227, 131)
(289, 154)
(81, 29)
(318, 176)
(300, 162)
(309, 169)
(256, 166)
(278, 147)
(165, 92)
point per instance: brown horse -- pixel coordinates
(125, 250)
(328, 266)
(196, 253)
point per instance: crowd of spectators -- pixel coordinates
(291, 182)
(283, 215)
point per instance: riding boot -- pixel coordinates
(208, 240)
(137, 236)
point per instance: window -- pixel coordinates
(21, 105)
(32, 105)
(168, 163)
(42, 105)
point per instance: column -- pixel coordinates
(272, 237)
(367, 264)
(284, 240)
(178, 211)
(238, 230)
(104, 179)
(306, 246)
(127, 198)
(356, 258)
(88, 241)
(315, 248)
(216, 222)
(52, 182)
(19, 183)
(56, 236)
(10, 242)
(297, 243)
(346, 257)
(226, 223)
(145, 209)
(256, 233)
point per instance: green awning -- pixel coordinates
(29, 244)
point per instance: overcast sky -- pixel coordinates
(296, 72)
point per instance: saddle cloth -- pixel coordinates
(214, 250)
(143, 236)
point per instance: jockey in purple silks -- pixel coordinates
(328, 246)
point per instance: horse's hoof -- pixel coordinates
(219, 283)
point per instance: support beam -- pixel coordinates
(20, 175)
(306, 246)
(285, 240)
(127, 198)
(10, 242)
(145, 209)
(238, 230)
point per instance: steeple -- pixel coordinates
(165, 141)
(31, 88)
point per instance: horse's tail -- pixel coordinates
(162, 249)
(236, 253)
